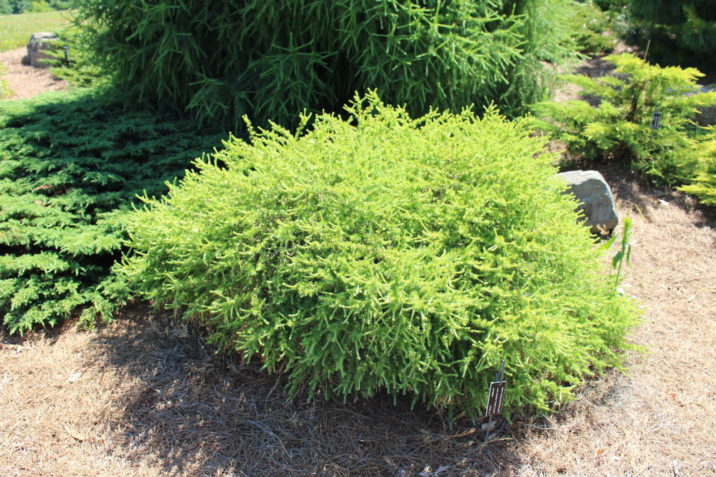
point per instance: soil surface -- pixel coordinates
(25, 81)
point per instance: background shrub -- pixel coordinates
(612, 5)
(703, 185)
(590, 29)
(682, 32)
(74, 62)
(71, 164)
(8, 7)
(385, 253)
(23, 6)
(271, 59)
(619, 127)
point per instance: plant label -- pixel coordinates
(496, 398)
(656, 120)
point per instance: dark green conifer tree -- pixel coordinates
(271, 59)
(682, 32)
(8, 7)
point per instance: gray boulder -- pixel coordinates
(40, 44)
(593, 192)
(707, 116)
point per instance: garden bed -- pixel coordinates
(142, 398)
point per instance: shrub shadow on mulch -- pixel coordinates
(204, 414)
(641, 196)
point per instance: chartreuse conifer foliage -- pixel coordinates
(71, 164)
(271, 59)
(620, 126)
(387, 253)
(704, 184)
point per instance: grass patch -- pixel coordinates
(15, 30)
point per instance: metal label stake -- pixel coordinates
(496, 397)
(656, 120)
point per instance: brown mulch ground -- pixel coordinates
(659, 418)
(143, 397)
(26, 81)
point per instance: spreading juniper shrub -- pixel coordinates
(380, 252)
(71, 165)
(621, 126)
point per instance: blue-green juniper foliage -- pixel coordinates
(71, 164)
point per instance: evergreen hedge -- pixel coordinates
(271, 59)
(382, 252)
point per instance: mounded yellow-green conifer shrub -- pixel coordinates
(381, 252)
(703, 185)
